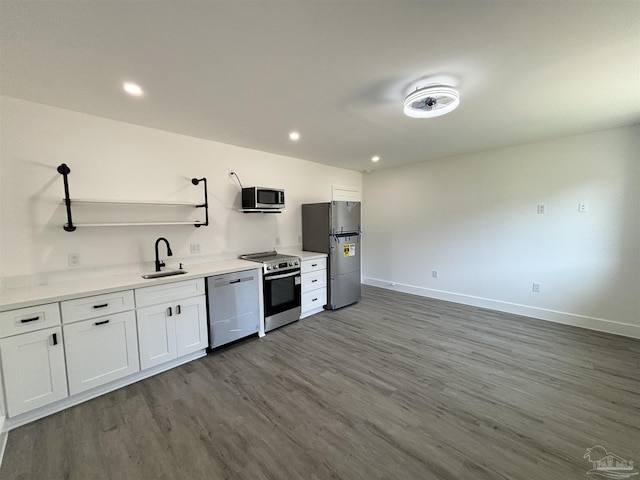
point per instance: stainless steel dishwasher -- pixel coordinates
(233, 306)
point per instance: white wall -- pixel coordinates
(115, 160)
(473, 219)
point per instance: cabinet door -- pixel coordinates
(101, 350)
(157, 334)
(33, 369)
(191, 325)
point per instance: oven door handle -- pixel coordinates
(284, 275)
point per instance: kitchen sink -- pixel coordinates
(166, 273)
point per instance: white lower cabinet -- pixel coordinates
(156, 335)
(314, 286)
(191, 325)
(101, 350)
(173, 329)
(103, 344)
(34, 370)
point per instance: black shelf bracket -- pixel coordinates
(64, 170)
(204, 205)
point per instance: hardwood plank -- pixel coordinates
(394, 387)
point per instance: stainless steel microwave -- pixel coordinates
(261, 197)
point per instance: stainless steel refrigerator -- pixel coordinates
(334, 228)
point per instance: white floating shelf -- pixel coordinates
(132, 224)
(90, 201)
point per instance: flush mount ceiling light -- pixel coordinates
(375, 158)
(431, 101)
(295, 136)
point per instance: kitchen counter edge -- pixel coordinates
(22, 297)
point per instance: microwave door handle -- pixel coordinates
(284, 275)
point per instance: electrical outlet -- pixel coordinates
(535, 287)
(73, 259)
(434, 273)
(299, 239)
(276, 241)
(542, 208)
(194, 248)
(583, 207)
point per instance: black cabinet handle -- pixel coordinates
(55, 338)
(314, 264)
(178, 311)
(27, 320)
(314, 299)
(235, 281)
(169, 312)
(101, 323)
(314, 280)
(101, 306)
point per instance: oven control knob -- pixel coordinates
(269, 267)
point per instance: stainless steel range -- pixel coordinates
(281, 287)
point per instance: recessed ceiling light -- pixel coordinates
(294, 136)
(375, 158)
(132, 89)
(431, 101)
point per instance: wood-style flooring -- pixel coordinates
(395, 387)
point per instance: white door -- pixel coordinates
(34, 370)
(191, 325)
(100, 350)
(157, 334)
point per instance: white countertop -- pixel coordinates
(28, 296)
(307, 255)
(55, 292)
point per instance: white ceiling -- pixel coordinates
(248, 72)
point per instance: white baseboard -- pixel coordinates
(591, 323)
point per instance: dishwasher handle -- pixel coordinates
(224, 283)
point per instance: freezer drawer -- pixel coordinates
(234, 306)
(343, 290)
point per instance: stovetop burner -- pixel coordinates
(273, 261)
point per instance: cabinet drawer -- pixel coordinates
(96, 306)
(314, 280)
(312, 265)
(169, 292)
(29, 319)
(314, 299)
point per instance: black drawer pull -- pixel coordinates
(101, 323)
(314, 299)
(27, 320)
(178, 310)
(314, 280)
(101, 305)
(314, 264)
(169, 312)
(55, 338)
